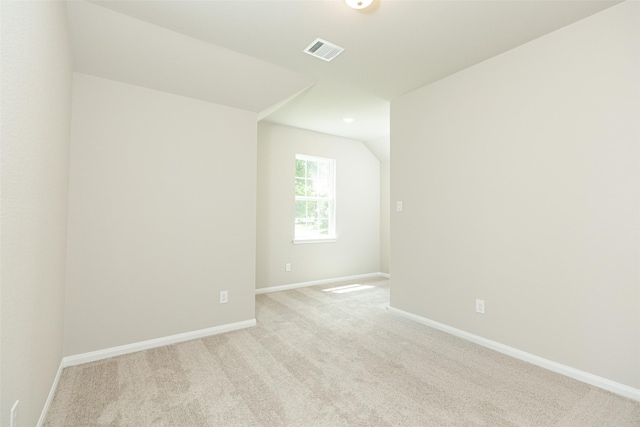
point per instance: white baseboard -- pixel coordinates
(612, 386)
(132, 348)
(92, 356)
(52, 392)
(317, 282)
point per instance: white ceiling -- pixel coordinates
(248, 54)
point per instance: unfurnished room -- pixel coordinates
(320, 213)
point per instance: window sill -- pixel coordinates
(304, 242)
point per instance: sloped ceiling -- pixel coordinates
(118, 47)
(248, 54)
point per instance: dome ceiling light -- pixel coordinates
(358, 4)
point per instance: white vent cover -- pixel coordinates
(323, 49)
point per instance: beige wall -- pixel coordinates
(161, 215)
(385, 221)
(357, 250)
(380, 148)
(36, 118)
(520, 183)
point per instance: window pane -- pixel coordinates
(324, 171)
(308, 188)
(323, 227)
(312, 210)
(321, 189)
(301, 168)
(300, 187)
(301, 209)
(323, 210)
(314, 198)
(312, 169)
(301, 232)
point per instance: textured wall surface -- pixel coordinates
(357, 249)
(162, 214)
(520, 182)
(36, 118)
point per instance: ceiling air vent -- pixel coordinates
(323, 49)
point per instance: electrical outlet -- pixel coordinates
(287, 267)
(398, 206)
(224, 297)
(480, 306)
(13, 421)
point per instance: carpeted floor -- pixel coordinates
(321, 358)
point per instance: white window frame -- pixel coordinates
(331, 234)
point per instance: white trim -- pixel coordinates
(612, 386)
(92, 356)
(316, 282)
(304, 242)
(52, 392)
(387, 275)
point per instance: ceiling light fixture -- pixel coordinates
(358, 4)
(348, 120)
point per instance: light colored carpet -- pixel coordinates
(318, 358)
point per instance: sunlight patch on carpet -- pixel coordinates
(347, 288)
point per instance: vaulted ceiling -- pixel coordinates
(249, 54)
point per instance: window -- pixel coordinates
(315, 217)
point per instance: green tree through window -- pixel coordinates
(315, 198)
